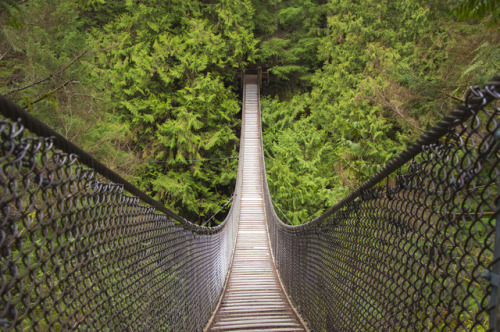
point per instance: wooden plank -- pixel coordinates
(258, 324)
(269, 330)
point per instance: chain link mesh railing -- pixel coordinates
(416, 247)
(82, 249)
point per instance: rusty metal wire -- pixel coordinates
(416, 247)
(79, 252)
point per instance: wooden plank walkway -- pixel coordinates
(254, 299)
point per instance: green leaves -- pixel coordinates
(136, 82)
(478, 10)
(46, 65)
(291, 38)
(385, 77)
(170, 77)
(297, 159)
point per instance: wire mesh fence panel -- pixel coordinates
(414, 247)
(78, 252)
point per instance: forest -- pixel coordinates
(151, 88)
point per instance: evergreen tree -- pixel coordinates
(290, 32)
(478, 10)
(389, 69)
(168, 69)
(149, 87)
(45, 66)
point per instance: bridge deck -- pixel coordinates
(254, 299)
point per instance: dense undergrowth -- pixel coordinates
(150, 87)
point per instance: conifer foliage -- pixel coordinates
(166, 68)
(387, 71)
(150, 87)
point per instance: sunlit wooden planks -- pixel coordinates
(254, 299)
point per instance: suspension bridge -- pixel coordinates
(416, 247)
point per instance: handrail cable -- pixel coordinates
(282, 213)
(225, 204)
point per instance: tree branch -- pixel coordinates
(50, 76)
(460, 100)
(45, 95)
